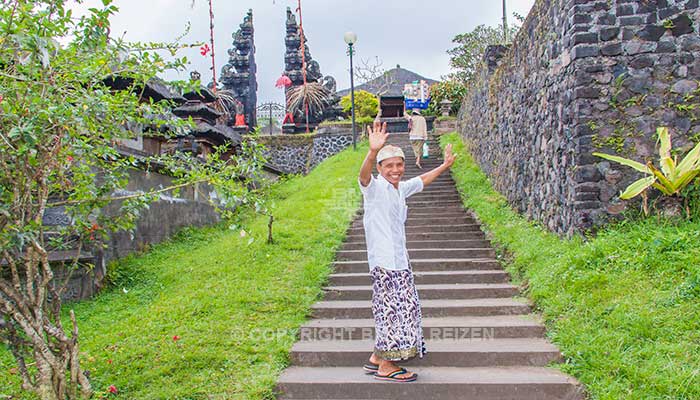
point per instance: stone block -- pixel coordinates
(667, 12)
(612, 49)
(584, 37)
(584, 50)
(637, 47)
(628, 33)
(606, 19)
(642, 61)
(690, 43)
(632, 20)
(666, 46)
(607, 34)
(637, 85)
(651, 33)
(684, 86)
(586, 92)
(581, 18)
(625, 9)
(682, 25)
(587, 173)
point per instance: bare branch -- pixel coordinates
(125, 197)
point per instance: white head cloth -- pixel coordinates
(389, 151)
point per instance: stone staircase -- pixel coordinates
(483, 342)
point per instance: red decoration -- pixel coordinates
(288, 119)
(240, 120)
(283, 82)
(204, 50)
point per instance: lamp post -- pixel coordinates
(350, 38)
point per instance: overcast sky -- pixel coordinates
(412, 33)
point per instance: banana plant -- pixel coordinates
(670, 178)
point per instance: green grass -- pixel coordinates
(624, 306)
(235, 305)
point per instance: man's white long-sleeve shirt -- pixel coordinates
(384, 221)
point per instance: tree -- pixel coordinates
(374, 72)
(451, 90)
(61, 115)
(470, 47)
(366, 104)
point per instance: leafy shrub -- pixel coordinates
(366, 104)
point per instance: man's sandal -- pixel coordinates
(393, 376)
(371, 368)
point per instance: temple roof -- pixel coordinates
(205, 95)
(155, 88)
(398, 77)
(218, 132)
(197, 109)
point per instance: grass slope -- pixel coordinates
(624, 307)
(235, 305)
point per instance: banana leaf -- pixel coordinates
(690, 161)
(637, 187)
(663, 180)
(624, 161)
(685, 179)
(668, 166)
(662, 189)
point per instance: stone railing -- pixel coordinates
(583, 76)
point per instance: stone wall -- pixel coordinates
(298, 154)
(163, 218)
(328, 144)
(583, 76)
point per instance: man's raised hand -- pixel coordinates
(449, 157)
(377, 136)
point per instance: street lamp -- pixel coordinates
(350, 38)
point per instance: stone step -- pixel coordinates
(432, 203)
(439, 187)
(471, 327)
(441, 353)
(492, 383)
(358, 230)
(435, 291)
(432, 197)
(427, 277)
(431, 220)
(357, 255)
(425, 244)
(440, 183)
(430, 211)
(436, 190)
(465, 235)
(362, 309)
(431, 264)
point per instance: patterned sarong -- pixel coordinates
(397, 315)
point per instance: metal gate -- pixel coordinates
(270, 117)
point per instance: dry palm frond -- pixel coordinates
(314, 94)
(226, 102)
